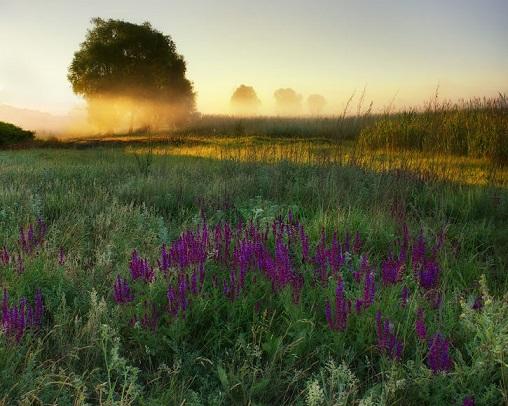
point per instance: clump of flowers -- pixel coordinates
(392, 269)
(121, 291)
(32, 236)
(468, 401)
(387, 341)
(178, 301)
(438, 357)
(428, 275)
(369, 292)
(140, 268)
(420, 328)
(17, 319)
(337, 319)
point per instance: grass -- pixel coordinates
(102, 202)
(475, 128)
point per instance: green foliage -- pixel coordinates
(125, 68)
(118, 57)
(10, 134)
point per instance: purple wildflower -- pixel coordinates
(140, 268)
(338, 320)
(468, 401)
(39, 308)
(173, 304)
(421, 330)
(435, 298)
(16, 319)
(165, 261)
(5, 258)
(121, 291)
(386, 339)
(478, 303)
(389, 272)
(418, 254)
(438, 357)
(150, 319)
(369, 292)
(429, 275)
(304, 241)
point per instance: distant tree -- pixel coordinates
(11, 134)
(245, 101)
(134, 64)
(316, 103)
(288, 102)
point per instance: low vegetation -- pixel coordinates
(214, 281)
(11, 134)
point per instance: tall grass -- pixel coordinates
(476, 128)
(334, 128)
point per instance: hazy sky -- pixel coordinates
(402, 47)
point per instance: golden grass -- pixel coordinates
(427, 166)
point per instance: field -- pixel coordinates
(248, 267)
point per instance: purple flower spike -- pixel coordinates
(5, 258)
(39, 308)
(404, 296)
(468, 401)
(438, 357)
(338, 321)
(386, 338)
(140, 268)
(421, 330)
(478, 303)
(121, 291)
(165, 261)
(369, 292)
(15, 320)
(429, 275)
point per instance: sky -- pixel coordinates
(398, 50)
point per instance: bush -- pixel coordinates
(10, 134)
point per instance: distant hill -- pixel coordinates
(38, 121)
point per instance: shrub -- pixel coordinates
(10, 134)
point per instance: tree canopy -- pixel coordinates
(245, 100)
(316, 103)
(11, 134)
(133, 62)
(287, 101)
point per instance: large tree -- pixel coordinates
(245, 101)
(288, 102)
(124, 69)
(316, 103)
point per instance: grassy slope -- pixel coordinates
(99, 207)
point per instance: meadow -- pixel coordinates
(251, 267)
